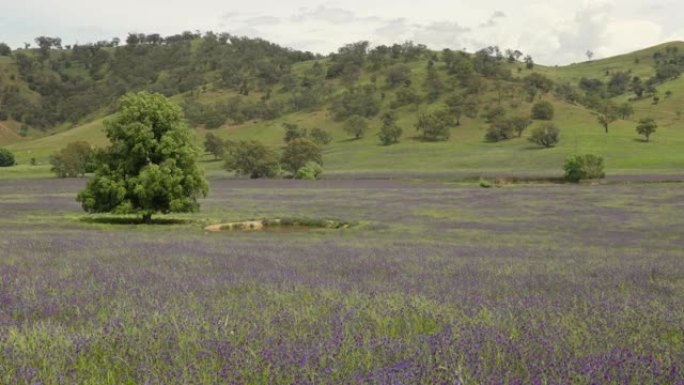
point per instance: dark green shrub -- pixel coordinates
(298, 153)
(579, 167)
(542, 111)
(499, 130)
(252, 158)
(73, 160)
(435, 126)
(546, 135)
(6, 158)
(320, 137)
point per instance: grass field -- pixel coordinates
(438, 283)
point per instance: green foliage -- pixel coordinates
(389, 132)
(359, 101)
(579, 167)
(5, 50)
(73, 160)
(542, 111)
(356, 126)
(435, 126)
(293, 131)
(404, 96)
(646, 127)
(298, 153)
(151, 164)
(493, 113)
(520, 123)
(625, 110)
(320, 136)
(214, 145)
(310, 171)
(252, 158)
(500, 129)
(606, 114)
(6, 158)
(546, 135)
(461, 104)
(398, 74)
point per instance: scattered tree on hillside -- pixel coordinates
(5, 50)
(214, 145)
(298, 153)
(74, 160)
(493, 113)
(607, 114)
(542, 111)
(460, 105)
(252, 158)
(360, 101)
(405, 96)
(356, 126)
(529, 62)
(6, 158)
(435, 126)
(151, 164)
(320, 136)
(433, 83)
(625, 110)
(590, 54)
(500, 129)
(293, 131)
(520, 123)
(646, 127)
(390, 132)
(546, 135)
(398, 74)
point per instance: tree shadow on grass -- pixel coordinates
(118, 220)
(641, 140)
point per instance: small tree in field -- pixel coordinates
(298, 153)
(6, 158)
(546, 135)
(73, 160)
(389, 132)
(320, 136)
(646, 127)
(435, 126)
(252, 158)
(151, 164)
(578, 167)
(607, 114)
(356, 126)
(214, 145)
(542, 111)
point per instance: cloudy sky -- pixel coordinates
(552, 31)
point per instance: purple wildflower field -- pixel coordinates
(437, 284)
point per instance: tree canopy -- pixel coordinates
(150, 166)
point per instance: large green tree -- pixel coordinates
(150, 166)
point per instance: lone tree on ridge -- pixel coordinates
(150, 166)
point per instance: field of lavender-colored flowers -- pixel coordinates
(438, 284)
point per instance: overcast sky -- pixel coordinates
(552, 31)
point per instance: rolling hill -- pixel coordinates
(466, 151)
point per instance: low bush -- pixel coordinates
(579, 167)
(6, 158)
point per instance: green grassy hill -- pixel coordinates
(466, 151)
